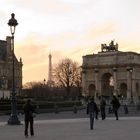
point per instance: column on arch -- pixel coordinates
(115, 80)
(129, 83)
(96, 82)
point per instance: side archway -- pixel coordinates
(107, 85)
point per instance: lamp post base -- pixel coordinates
(13, 120)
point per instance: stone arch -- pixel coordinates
(123, 90)
(91, 90)
(107, 85)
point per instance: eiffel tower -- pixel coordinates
(50, 82)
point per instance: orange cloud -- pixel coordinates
(35, 48)
(37, 73)
(97, 31)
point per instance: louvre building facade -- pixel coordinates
(6, 69)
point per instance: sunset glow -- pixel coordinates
(68, 28)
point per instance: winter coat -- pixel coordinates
(92, 107)
(115, 103)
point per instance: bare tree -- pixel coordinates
(66, 74)
(78, 81)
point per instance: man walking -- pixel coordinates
(91, 110)
(102, 108)
(116, 105)
(28, 110)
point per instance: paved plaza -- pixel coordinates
(62, 127)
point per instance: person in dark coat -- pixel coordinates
(102, 107)
(125, 109)
(116, 105)
(29, 118)
(91, 110)
(97, 113)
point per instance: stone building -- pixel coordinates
(112, 72)
(6, 70)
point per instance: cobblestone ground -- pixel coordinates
(66, 128)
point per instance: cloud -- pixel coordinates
(33, 50)
(68, 28)
(35, 73)
(63, 41)
(101, 30)
(2, 21)
(42, 6)
(2, 14)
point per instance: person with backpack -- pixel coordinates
(91, 110)
(29, 118)
(116, 105)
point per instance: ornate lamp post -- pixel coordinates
(13, 120)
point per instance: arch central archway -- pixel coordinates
(92, 90)
(107, 85)
(123, 90)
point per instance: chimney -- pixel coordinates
(8, 40)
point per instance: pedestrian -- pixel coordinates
(91, 110)
(97, 113)
(102, 107)
(29, 118)
(125, 109)
(116, 105)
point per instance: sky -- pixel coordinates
(68, 29)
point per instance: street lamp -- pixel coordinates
(13, 120)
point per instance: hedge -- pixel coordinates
(40, 104)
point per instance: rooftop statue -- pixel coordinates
(110, 47)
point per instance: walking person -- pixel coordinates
(116, 105)
(102, 107)
(125, 109)
(97, 113)
(29, 118)
(91, 110)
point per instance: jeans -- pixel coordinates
(116, 114)
(103, 115)
(92, 116)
